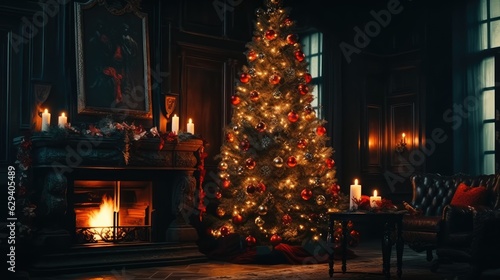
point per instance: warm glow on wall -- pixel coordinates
(372, 142)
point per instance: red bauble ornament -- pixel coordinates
(275, 239)
(354, 240)
(254, 95)
(261, 187)
(244, 78)
(293, 116)
(303, 89)
(226, 183)
(329, 163)
(251, 241)
(230, 137)
(286, 219)
(250, 163)
(245, 145)
(261, 126)
(350, 224)
(288, 22)
(299, 55)
(275, 79)
(218, 195)
(237, 219)
(252, 55)
(271, 35)
(307, 78)
(302, 143)
(306, 194)
(292, 39)
(335, 189)
(320, 131)
(224, 231)
(235, 100)
(250, 189)
(292, 161)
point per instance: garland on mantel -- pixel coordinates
(109, 128)
(106, 128)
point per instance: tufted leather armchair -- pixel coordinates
(435, 224)
(472, 234)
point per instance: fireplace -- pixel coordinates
(112, 211)
(121, 205)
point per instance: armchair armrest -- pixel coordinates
(485, 247)
(457, 219)
(459, 222)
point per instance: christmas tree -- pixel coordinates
(277, 172)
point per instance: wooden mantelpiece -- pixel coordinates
(58, 162)
(99, 151)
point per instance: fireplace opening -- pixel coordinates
(112, 211)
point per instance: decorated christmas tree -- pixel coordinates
(276, 168)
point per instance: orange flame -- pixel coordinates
(104, 216)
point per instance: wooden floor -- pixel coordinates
(366, 265)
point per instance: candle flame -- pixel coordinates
(375, 193)
(46, 111)
(190, 121)
(355, 181)
(63, 114)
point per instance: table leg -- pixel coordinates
(331, 245)
(386, 250)
(345, 235)
(399, 249)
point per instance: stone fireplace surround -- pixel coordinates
(172, 169)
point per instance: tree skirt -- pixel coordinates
(232, 248)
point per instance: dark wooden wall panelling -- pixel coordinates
(23, 47)
(22, 53)
(209, 47)
(201, 51)
(206, 89)
(403, 117)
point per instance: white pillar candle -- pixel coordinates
(355, 192)
(45, 120)
(62, 120)
(175, 124)
(375, 200)
(190, 127)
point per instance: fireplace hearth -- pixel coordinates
(113, 205)
(112, 211)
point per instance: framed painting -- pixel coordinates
(112, 53)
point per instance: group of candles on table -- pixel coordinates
(63, 121)
(355, 195)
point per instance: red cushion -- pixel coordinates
(467, 196)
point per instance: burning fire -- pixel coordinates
(104, 216)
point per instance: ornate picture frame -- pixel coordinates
(112, 53)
